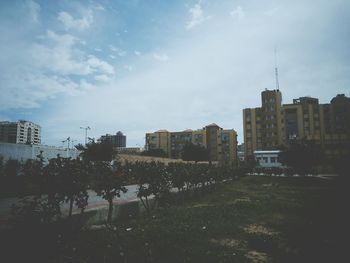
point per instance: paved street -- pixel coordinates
(95, 202)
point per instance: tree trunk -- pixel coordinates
(110, 210)
(71, 202)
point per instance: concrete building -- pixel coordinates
(128, 150)
(158, 140)
(267, 159)
(276, 125)
(118, 140)
(22, 132)
(221, 144)
(23, 152)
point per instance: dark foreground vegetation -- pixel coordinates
(248, 219)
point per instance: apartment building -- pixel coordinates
(118, 140)
(275, 125)
(221, 143)
(22, 132)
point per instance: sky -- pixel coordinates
(138, 66)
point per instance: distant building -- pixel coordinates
(118, 140)
(275, 125)
(21, 132)
(129, 150)
(221, 144)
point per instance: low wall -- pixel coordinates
(23, 152)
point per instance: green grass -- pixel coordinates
(253, 219)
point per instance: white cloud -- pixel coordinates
(98, 49)
(28, 90)
(61, 56)
(98, 65)
(99, 7)
(120, 52)
(137, 53)
(34, 10)
(43, 70)
(103, 78)
(78, 24)
(161, 57)
(197, 16)
(238, 13)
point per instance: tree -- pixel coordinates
(93, 151)
(154, 153)
(192, 152)
(109, 183)
(302, 156)
(75, 178)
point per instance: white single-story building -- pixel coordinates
(267, 159)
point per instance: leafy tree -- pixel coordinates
(108, 183)
(101, 151)
(302, 156)
(151, 179)
(75, 179)
(155, 153)
(192, 152)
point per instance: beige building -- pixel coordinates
(221, 144)
(23, 132)
(275, 125)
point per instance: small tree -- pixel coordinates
(192, 152)
(151, 179)
(75, 179)
(302, 156)
(93, 151)
(108, 183)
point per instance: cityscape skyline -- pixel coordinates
(140, 67)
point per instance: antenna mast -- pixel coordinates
(276, 71)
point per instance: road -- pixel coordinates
(94, 202)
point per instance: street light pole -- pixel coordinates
(85, 128)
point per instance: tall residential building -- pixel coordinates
(24, 132)
(118, 140)
(275, 125)
(221, 144)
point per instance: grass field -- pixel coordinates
(253, 219)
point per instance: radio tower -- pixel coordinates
(276, 71)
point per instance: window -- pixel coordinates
(273, 159)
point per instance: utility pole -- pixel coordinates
(66, 140)
(85, 128)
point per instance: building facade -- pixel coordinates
(118, 140)
(221, 143)
(21, 132)
(267, 159)
(275, 125)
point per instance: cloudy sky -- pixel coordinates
(143, 65)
